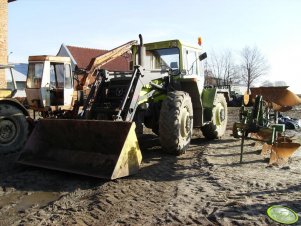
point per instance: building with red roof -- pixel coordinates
(82, 57)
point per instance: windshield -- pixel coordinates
(157, 58)
(34, 75)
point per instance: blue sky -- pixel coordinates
(274, 26)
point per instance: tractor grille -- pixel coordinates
(111, 100)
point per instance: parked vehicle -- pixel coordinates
(13, 118)
(165, 92)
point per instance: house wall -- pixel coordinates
(3, 39)
(64, 52)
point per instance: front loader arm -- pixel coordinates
(98, 62)
(131, 100)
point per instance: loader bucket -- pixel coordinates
(281, 152)
(102, 149)
(278, 95)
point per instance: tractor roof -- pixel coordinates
(169, 44)
(57, 59)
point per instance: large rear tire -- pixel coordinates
(176, 122)
(13, 129)
(217, 127)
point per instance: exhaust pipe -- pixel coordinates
(142, 52)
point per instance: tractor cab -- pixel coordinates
(49, 83)
(180, 59)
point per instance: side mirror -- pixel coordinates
(203, 56)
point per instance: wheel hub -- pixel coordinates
(8, 131)
(185, 123)
(220, 114)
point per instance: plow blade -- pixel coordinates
(281, 152)
(279, 108)
(278, 95)
(266, 148)
(264, 134)
(102, 149)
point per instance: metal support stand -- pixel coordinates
(242, 145)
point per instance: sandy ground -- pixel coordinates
(205, 186)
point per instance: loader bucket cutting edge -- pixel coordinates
(282, 151)
(102, 149)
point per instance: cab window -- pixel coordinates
(191, 62)
(34, 75)
(68, 77)
(57, 75)
(157, 58)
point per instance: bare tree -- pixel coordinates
(253, 65)
(222, 66)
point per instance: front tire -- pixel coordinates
(217, 127)
(13, 129)
(176, 122)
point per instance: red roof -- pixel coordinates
(83, 57)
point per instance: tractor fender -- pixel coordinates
(15, 103)
(208, 98)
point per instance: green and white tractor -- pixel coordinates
(164, 92)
